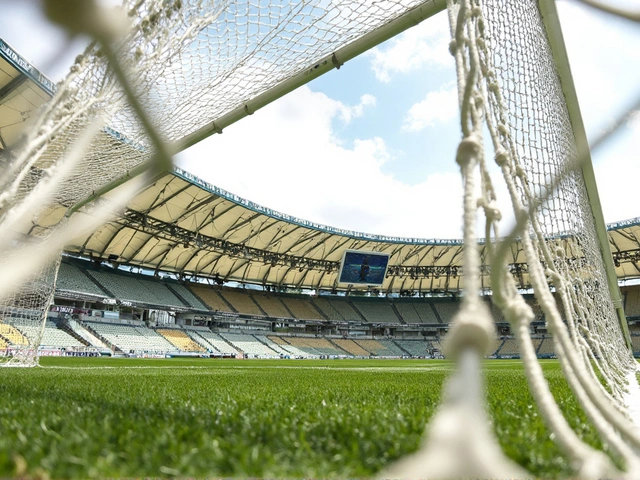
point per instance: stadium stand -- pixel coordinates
(216, 342)
(180, 340)
(194, 334)
(344, 308)
(271, 305)
(509, 347)
(281, 348)
(241, 301)
(52, 336)
(130, 338)
(635, 342)
(352, 347)
(315, 346)
(249, 345)
(12, 335)
(408, 312)
(380, 348)
(446, 310)
(289, 349)
(210, 296)
(187, 296)
(632, 302)
(426, 311)
(535, 306)
(416, 348)
(89, 337)
(546, 347)
(393, 349)
(135, 289)
(301, 308)
(327, 309)
(495, 346)
(376, 310)
(72, 279)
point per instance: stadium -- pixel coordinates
(184, 331)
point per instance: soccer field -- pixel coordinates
(347, 418)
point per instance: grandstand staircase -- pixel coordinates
(95, 281)
(226, 341)
(400, 347)
(226, 302)
(265, 344)
(355, 309)
(63, 325)
(337, 346)
(102, 339)
(257, 305)
(397, 312)
(317, 309)
(180, 297)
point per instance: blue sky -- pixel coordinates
(371, 147)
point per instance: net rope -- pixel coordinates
(170, 67)
(507, 83)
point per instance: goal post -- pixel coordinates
(551, 21)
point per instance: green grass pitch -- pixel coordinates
(197, 418)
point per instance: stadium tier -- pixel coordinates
(415, 348)
(326, 308)
(446, 310)
(302, 309)
(249, 345)
(271, 305)
(351, 347)
(132, 339)
(241, 301)
(546, 347)
(211, 297)
(631, 301)
(180, 340)
(12, 336)
(509, 347)
(73, 279)
(376, 310)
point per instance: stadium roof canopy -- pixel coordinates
(23, 89)
(179, 223)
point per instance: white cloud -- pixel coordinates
(437, 108)
(348, 113)
(634, 122)
(605, 62)
(426, 45)
(287, 157)
(617, 173)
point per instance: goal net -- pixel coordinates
(171, 72)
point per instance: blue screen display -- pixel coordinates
(363, 268)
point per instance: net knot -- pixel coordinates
(468, 151)
(472, 327)
(501, 157)
(453, 47)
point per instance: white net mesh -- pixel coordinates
(508, 84)
(154, 75)
(178, 66)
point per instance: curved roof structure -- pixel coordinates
(181, 224)
(23, 89)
